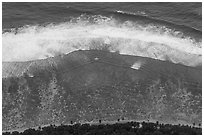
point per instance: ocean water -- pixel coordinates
(164, 31)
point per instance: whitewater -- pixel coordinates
(100, 32)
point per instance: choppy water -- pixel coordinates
(162, 31)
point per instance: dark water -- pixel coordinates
(18, 14)
(49, 29)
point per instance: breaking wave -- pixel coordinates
(100, 32)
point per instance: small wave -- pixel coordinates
(99, 32)
(142, 13)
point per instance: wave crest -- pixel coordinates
(142, 13)
(99, 32)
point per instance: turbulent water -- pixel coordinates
(88, 85)
(164, 31)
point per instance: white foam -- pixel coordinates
(96, 59)
(35, 42)
(136, 65)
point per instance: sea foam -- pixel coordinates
(99, 32)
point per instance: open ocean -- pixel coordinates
(182, 15)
